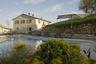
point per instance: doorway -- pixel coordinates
(30, 29)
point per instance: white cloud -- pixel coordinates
(55, 8)
(1, 10)
(33, 1)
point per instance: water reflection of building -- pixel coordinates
(28, 40)
(27, 23)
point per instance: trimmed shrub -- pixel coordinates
(57, 51)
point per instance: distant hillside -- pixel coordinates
(86, 25)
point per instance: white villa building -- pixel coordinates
(26, 23)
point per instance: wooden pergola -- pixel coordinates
(70, 16)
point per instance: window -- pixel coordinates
(30, 29)
(17, 22)
(29, 21)
(33, 20)
(23, 21)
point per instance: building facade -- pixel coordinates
(26, 23)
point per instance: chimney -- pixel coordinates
(41, 18)
(29, 14)
(33, 15)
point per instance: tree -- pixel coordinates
(94, 5)
(86, 6)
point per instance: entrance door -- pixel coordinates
(30, 29)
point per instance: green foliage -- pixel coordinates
(93, 61)
(19, 55)
(89, 18)
(71, 26)
(88, 6)
(19, 46)
(51, 52)
(61, 52)
(36, 61)
(57, 60)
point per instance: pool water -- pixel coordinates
(34, 41)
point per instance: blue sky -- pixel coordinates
(48, 9)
